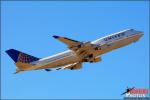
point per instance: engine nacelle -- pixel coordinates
(96, 59)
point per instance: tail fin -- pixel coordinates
(21, 59)
(18, 56)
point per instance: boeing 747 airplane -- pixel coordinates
(78, 53)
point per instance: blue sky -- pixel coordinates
(29, 27)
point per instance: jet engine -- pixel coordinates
(91, 60)
(97, 59)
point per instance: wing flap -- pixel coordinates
(73, 66)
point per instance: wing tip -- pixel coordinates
(55, 36)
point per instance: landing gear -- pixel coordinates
(58, 68)
(96, 48)
(88, 58)
(48, 70)
(79, 46)
(72, 68)
(91, 56)
(85, 60)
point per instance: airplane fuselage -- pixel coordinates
(101, 46)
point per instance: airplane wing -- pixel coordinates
(82, 49)
(73, 66)
(67, 41)
(123, 93)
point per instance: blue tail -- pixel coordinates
(18, 56)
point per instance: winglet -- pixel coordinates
(56, 36)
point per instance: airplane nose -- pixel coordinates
(141, 34)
